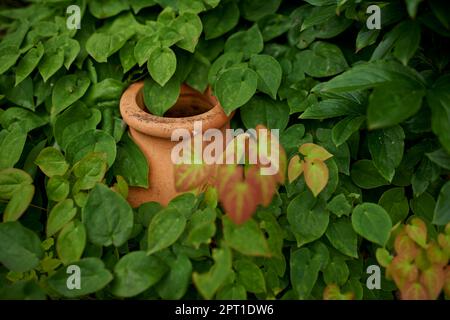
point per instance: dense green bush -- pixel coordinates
(377, 100)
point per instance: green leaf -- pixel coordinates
(25, 119)
(393, 103)
(57, 188)
(136, 272)
(164, 229)
(208, 283)
(89, 170)
(386, 147)
(395, 203)
(339, 205)
(250, 276)
(61, 214)
(304, 271)
(68, 90)
(423, 206)
(438, 99)
(108, 217)
(331, 108)
(372, 222)
(144, 48)
(341, 235)
(12, 141)
(189, 26)
(8, 57)
(52, 162)
(265, 111)
(235, 87)
(77, 119)
(175, 283)
(19, 203)
(220, 20)
(336, 272)
(22, 94)
(29, 62)
(131, 163)
(160, 99)
(102, 9)
(91, 141)
(307, 218)
(439, 157)
(102, 45)
(248, 42)
(343, 130)
(442, 209)
(323, 60)
(162, 65)
(246, 238)
(20, 248)
(366, 176)
(93, 277)
(71, 242)
(223, 63)
(201, 227)
(370, 75)
(51, 62)
(269, 73)
(408, 41)
(11, 181)
(254, 10)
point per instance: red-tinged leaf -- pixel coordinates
(405, 247)
(316, 175)
(383, 257)
(447, 281)
(417, 230)
(403, 271)
(332, 292)
(313, 151)
(240, 201)
(265, 185)
(228, 173)
(433, 280)
(190, 176)
(295, 168)
(436, 255)
(414, 291)
(421, 260)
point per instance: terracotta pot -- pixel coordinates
(152, 134)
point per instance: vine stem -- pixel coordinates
(31, 205)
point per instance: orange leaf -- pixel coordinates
(295, 168)
(417, 230)
(265, 185)
(239, 200)
(332, 292)
(414, 291)
(313, 151)
(405, 247)
(403, 271)
(433, 280)
(316, 175)
(447, 281)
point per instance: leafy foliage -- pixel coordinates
(363, 117)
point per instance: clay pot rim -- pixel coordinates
(147, 123)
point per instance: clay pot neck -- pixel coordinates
(190, 107)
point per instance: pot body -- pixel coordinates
(152, 134)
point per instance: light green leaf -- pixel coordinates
(61, 214)
(162, 65)
(71, 242)
(52, 162)
(269, 73)
(68, 90)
